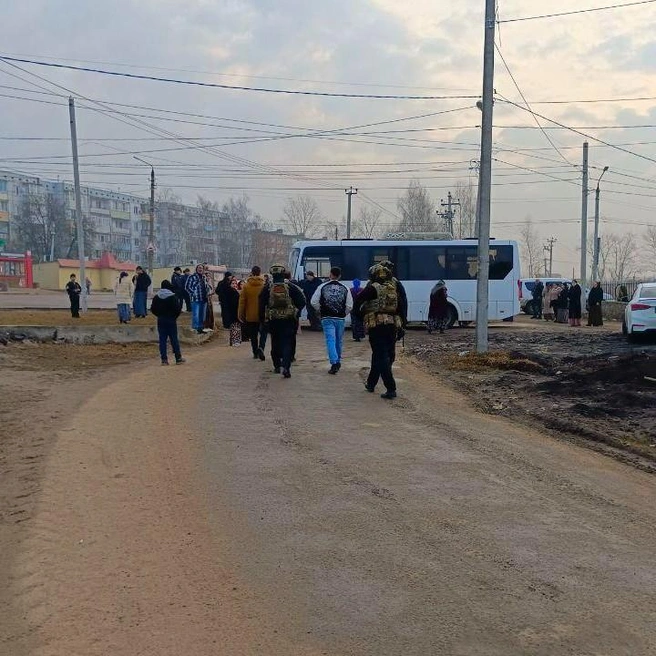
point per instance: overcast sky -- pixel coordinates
(421, 47)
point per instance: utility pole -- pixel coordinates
(449, 215)
(485, 182)
(78, 204)
(150, 249)
(475, 165)
(584, 217)
(549, 246)
(349, 192)
(597, 241)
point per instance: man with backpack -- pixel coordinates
(333, 301)
(280, 304)
(383, 305)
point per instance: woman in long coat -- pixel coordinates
(595, 298)
(574, 298)
(229, 302)
(438, 311)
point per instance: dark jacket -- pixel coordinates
(295, 293)
(142, 283)
(73, 289)
(229, 302)
(178, 282)
(596, 296)
(439, 304)
(309, 287)
(166, 305)
(369, 293)
(574, 297)
(538, 291)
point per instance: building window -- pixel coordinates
(4, 205)
(3, 186)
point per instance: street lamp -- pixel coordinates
(595, 251)
(150, 249)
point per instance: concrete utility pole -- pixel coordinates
(349, 192)
(597, 241)
(485, 182)
(549, 246)
(475, 165)
(150, 249)
(449, 215)
(584, 217)
(78, 205)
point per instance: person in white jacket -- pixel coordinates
(333, 301)
(123, 291)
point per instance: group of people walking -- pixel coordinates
(269, 308)
(562, 302)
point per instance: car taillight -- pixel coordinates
(640, 306)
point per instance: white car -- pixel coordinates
(640, 312)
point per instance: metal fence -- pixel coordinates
(613, 287)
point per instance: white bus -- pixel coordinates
(419, 265)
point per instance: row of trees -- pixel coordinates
(621, 256)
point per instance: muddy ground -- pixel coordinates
(50, 317)
(582, 384)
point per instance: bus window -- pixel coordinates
(321, 259)
(293, 260)
(426, 262)
(356, 262)
(457, 264)
(382, 253)
(501, 262)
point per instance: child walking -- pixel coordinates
(166, 306)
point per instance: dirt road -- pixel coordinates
(238, 513)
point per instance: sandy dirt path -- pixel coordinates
(239, 513)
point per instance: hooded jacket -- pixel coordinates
(166, 305)
(249, 300)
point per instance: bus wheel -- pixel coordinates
(453, 316)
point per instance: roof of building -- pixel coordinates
(106, 261)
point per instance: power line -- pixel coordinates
(240, 75)
(577, 11)
(512, 77)
(214, 85)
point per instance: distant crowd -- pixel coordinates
(562, 302)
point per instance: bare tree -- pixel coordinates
(240, 221)
(42, 226)
(621, 256)
(532, 248)
(368, 220)
(302, 215)
(465, 223)
(650, 255)
(417, 209)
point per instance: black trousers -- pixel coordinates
(75, 305)
(383, 353)
(283, 342)
(257, 333)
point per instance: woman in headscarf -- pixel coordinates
(229, 302)
(595, 298)
(438, 310)
(357, 325)
(562, 303)
(574, 305)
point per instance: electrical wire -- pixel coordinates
(213, 85)
(512, 77)
(577, 11)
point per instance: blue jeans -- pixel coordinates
(123, 311)
(333, 330)
(139, 302)
(168, 330)
(198, 310)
